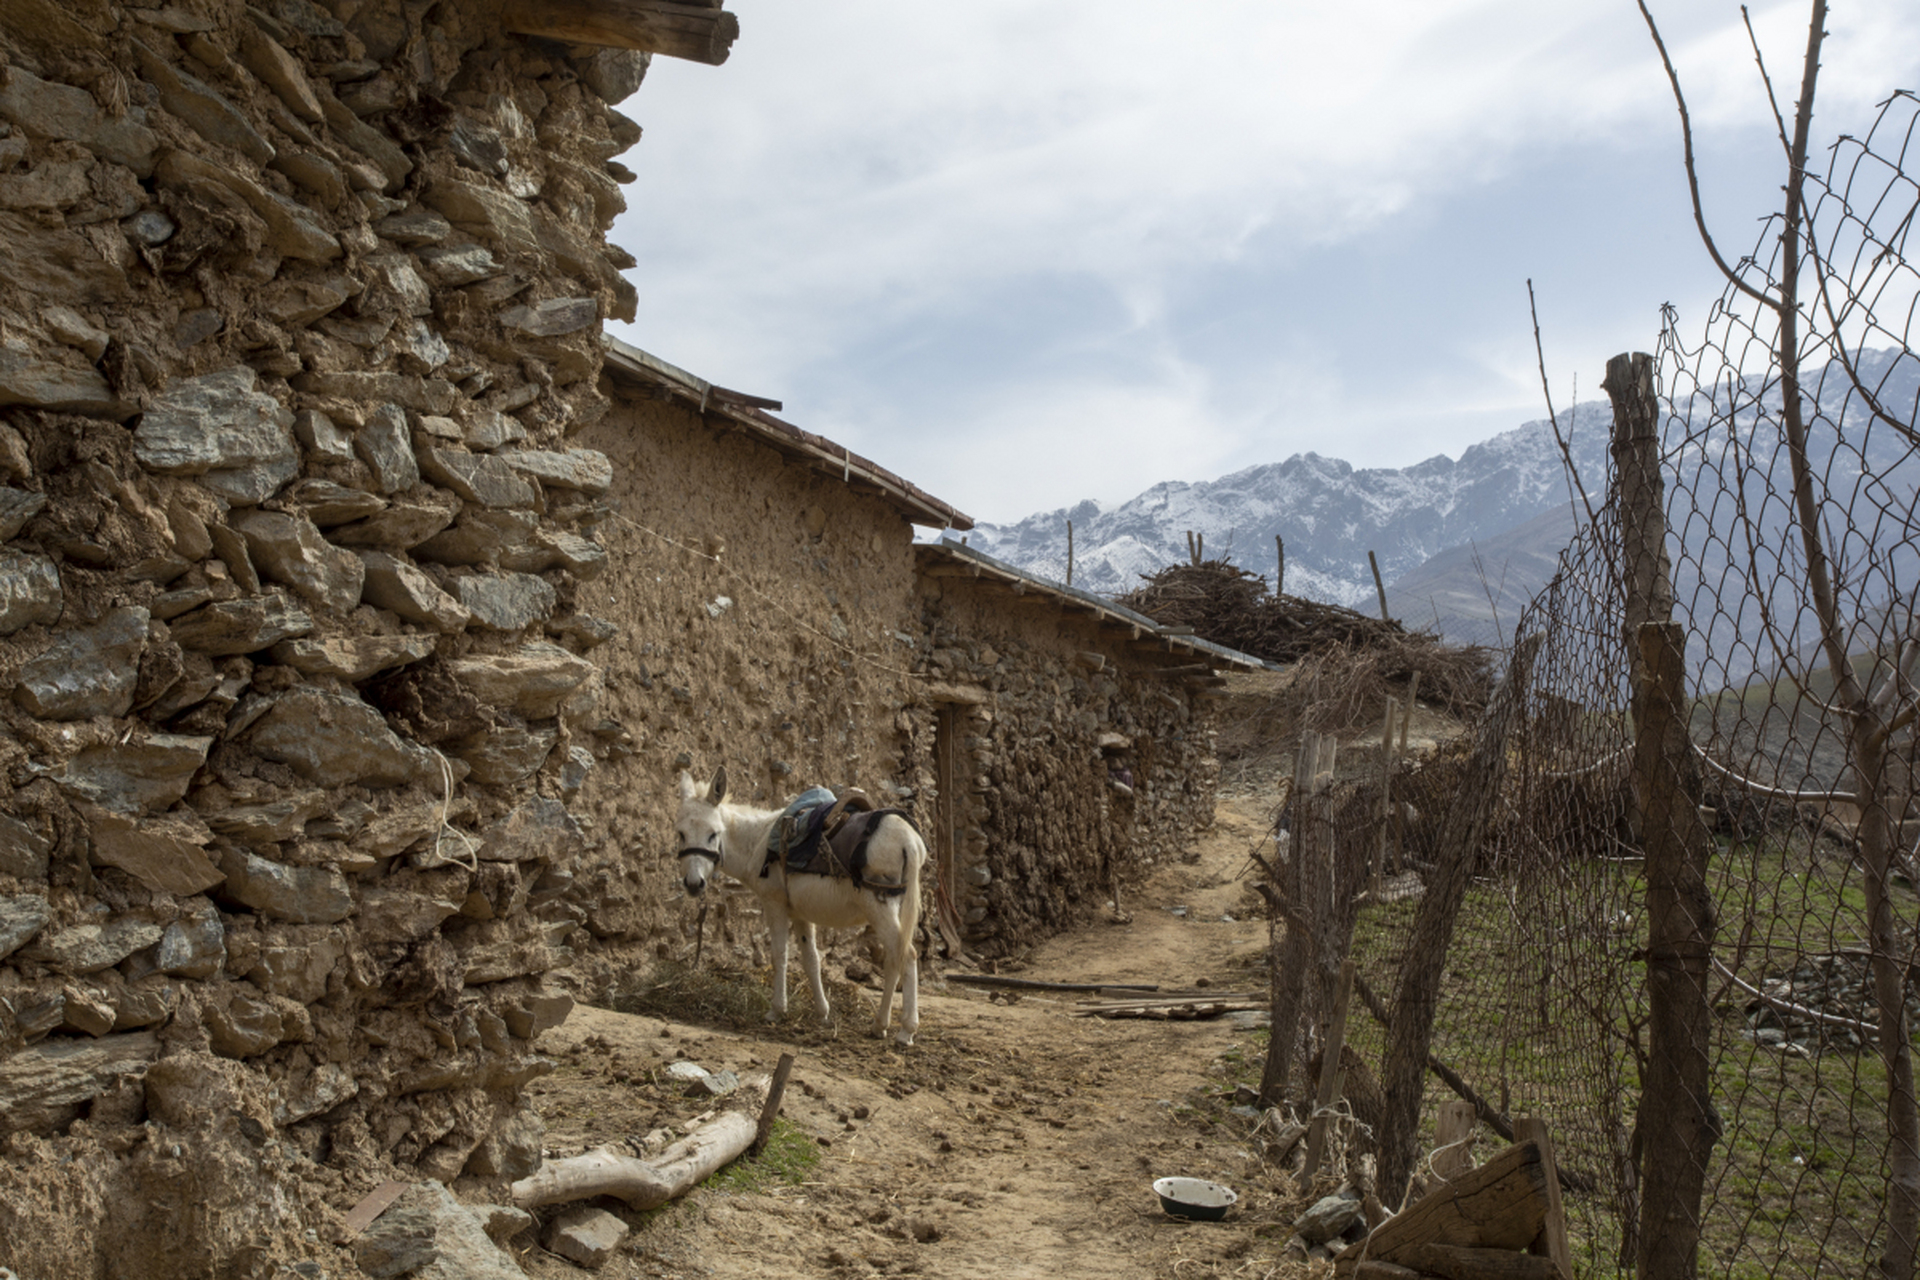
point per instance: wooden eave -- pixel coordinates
(696, 30)
(629, 364)
(950, 559)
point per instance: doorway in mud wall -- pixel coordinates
(945, 837)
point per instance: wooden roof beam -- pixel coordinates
(696, 32)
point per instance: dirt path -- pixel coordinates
(1013, 1141)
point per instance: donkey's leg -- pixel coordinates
(909, 990)
(810, 960)
(777, 924)
(886, 927)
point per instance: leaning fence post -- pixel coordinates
(1410, 1030)
(1287, 959)
(1677, 1123)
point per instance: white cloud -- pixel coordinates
(983, 220)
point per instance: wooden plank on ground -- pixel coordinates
(1552, 1241)
(371, 1206)
(1499, 1205)
(1459, 1262)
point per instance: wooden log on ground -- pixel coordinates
(1030, 984)
(696, 32)
(1458, 1262)
(647, 1184)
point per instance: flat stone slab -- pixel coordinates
(331, 739)
(86, 672)
(585, 1235)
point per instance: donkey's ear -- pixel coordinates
(717, 791)
(687, 790)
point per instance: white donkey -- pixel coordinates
(734, 838)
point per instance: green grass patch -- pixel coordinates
(787, 1160)
(1544, 1000)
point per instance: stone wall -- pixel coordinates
(299, 319)
(1048, 713)
(764, 621)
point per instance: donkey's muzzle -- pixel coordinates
(694, 874)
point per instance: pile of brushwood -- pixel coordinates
(1228, 605)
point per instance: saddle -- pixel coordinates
(821, 834)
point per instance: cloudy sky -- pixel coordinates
(1026, 253)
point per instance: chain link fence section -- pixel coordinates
(1792, 561)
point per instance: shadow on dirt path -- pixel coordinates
(1014, 1141)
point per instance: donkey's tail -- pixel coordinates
(914, 850)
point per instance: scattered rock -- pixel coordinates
(386, 446)
(238, 440)
(428, 1234)
(89, 948)
(585, 1235)
(533, 680)
(41, 1082)
(140, 775)
(23, 852)
(1327, 1219)
(166, 853)
(21, 917)
(484, 479)
(351, 658)
(553, 317)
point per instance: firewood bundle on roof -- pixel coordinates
(1228, 605)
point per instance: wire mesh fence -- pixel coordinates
(1690, 936)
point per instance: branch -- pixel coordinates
(1779, 121)
(1761, 788)
(1862, 1029)
(646, 1184)
(1566, 451)
(1693, 176)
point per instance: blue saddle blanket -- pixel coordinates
(801, 842)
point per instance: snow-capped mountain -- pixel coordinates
(1328, 513)
(1465, 544)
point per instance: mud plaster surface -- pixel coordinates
(1056, 1125)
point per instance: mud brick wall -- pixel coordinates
(299, 316)
(1042, 833)
(766, 623)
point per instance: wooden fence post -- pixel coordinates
(1379, 586)
(1331, 1071)
(1411, 1030)
(1288, 959)
(1677, 1123)
(1385, 808)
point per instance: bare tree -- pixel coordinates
(1807, 307)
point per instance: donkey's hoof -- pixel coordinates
(904, 1039)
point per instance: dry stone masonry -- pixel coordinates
(300, 308)
(356, 613)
